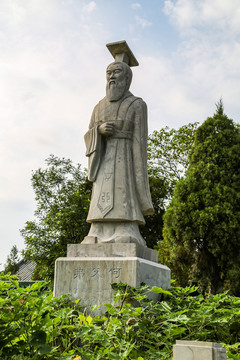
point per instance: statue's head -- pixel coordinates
(119, 77)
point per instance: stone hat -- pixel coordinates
(121, 52)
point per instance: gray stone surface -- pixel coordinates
(116, 147)
(198, 350)
(89, 279)
(121, 52)
(112, 250)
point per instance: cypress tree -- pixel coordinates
(202, 222)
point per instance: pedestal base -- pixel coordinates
(89, 278)
(112, 250)
(198, 350)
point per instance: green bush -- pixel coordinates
(34, 325)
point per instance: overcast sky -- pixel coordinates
(52, 73)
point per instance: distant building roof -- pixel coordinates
(25, 270)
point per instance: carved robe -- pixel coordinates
(118, 163)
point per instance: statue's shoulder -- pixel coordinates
(137, 103)
(101, 103)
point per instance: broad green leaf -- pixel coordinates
(159, 290)
(44, 349)
(89, 319)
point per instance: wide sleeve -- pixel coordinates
(93, 148)
(140, 136)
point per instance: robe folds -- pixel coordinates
(117, 164)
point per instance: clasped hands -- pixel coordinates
(106, 129)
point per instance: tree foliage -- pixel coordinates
(168, 151)
(152, 230)
(202, 223)
(62, 196)
(12, 261)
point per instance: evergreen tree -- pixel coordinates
(202, 222)
(12, 261)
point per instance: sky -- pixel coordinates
(53, 58)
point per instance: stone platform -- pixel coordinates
(198, 350)
(89, 270)
(113, 250)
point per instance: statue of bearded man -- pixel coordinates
(117, 151)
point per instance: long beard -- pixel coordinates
(115, 90)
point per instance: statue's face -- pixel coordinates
(116, 82)
(114, 73)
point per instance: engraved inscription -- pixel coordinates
(95, 272)
(115, 271)
(105, 197)
(79, 273)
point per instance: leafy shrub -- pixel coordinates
(34, 325)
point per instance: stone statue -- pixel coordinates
(116, 144)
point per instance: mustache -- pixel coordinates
(113, 82)
(115, 90)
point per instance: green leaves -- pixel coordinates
(62, 195)
(38, 340)
(168, 154)
(202, 223)
(12, 261)
(34, 325)
(62, 198)
(158, 290)
(168, 151)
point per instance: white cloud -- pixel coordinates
(171, 100)
(88, 8)
(208, 53)
(136, 6)
(182, 12)
(219, 14)
(142, 22)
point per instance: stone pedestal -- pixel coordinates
(89, 270)
(198, 350)
(113, 250)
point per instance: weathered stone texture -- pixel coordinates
(112, 250)
(89, 279)
(198, 350)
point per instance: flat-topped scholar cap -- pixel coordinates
(121, 52)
